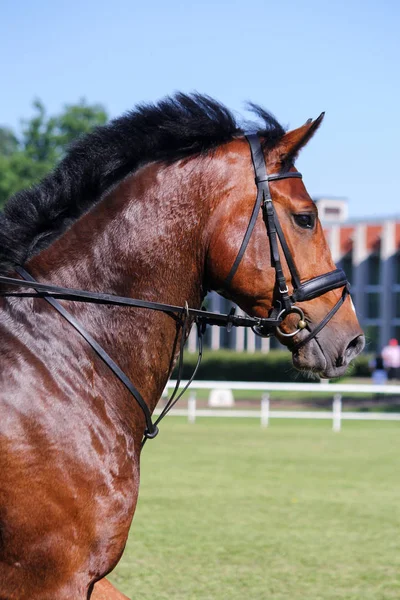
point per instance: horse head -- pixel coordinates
(320, 326)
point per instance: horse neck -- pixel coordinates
(143, 240)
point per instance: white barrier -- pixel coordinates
(337, 415)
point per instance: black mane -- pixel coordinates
(175, 127)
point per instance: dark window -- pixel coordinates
(374, 269)
(329, 210)
(373, 305)
(397, 305)
(397, 268)
(347, 266)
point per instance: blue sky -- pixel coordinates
(297, 58)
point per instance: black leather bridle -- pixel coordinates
(284, 303)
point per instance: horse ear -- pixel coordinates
(293, 141)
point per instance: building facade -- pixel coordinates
(369, 252)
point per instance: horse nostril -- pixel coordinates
(354, 348)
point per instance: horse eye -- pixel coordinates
(305, 221)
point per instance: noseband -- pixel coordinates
(284, 303)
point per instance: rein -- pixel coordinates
(284, 303)
(202, 318)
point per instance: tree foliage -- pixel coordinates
(27, 157)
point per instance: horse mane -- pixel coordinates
(176, 127)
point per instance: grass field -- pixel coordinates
(294, 512)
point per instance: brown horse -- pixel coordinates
(153, 206)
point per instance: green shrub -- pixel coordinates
(360, 366)
(228, 365)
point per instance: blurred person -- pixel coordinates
(391, 359)
(378, 372)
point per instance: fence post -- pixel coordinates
(265, 410)
(337, 412)
(192, 407)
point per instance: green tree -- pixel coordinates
(76, 120)
(8, 142)
(26, 159)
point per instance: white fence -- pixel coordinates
(337, 415)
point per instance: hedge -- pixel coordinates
(228, 365)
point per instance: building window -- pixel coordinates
(374, 269)
(373, 305)
(347, 266)
(397, 268)
(397, 305)
(332, 211)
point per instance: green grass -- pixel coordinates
(295, 512)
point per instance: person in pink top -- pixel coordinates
(391, 359)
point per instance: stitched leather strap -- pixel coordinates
(263, 193)
(320, 285)
(288, 256)
(246, 238)
(301, 291)
(202, 316)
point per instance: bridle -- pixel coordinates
(284, 304)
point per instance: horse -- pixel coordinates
(158, 205)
